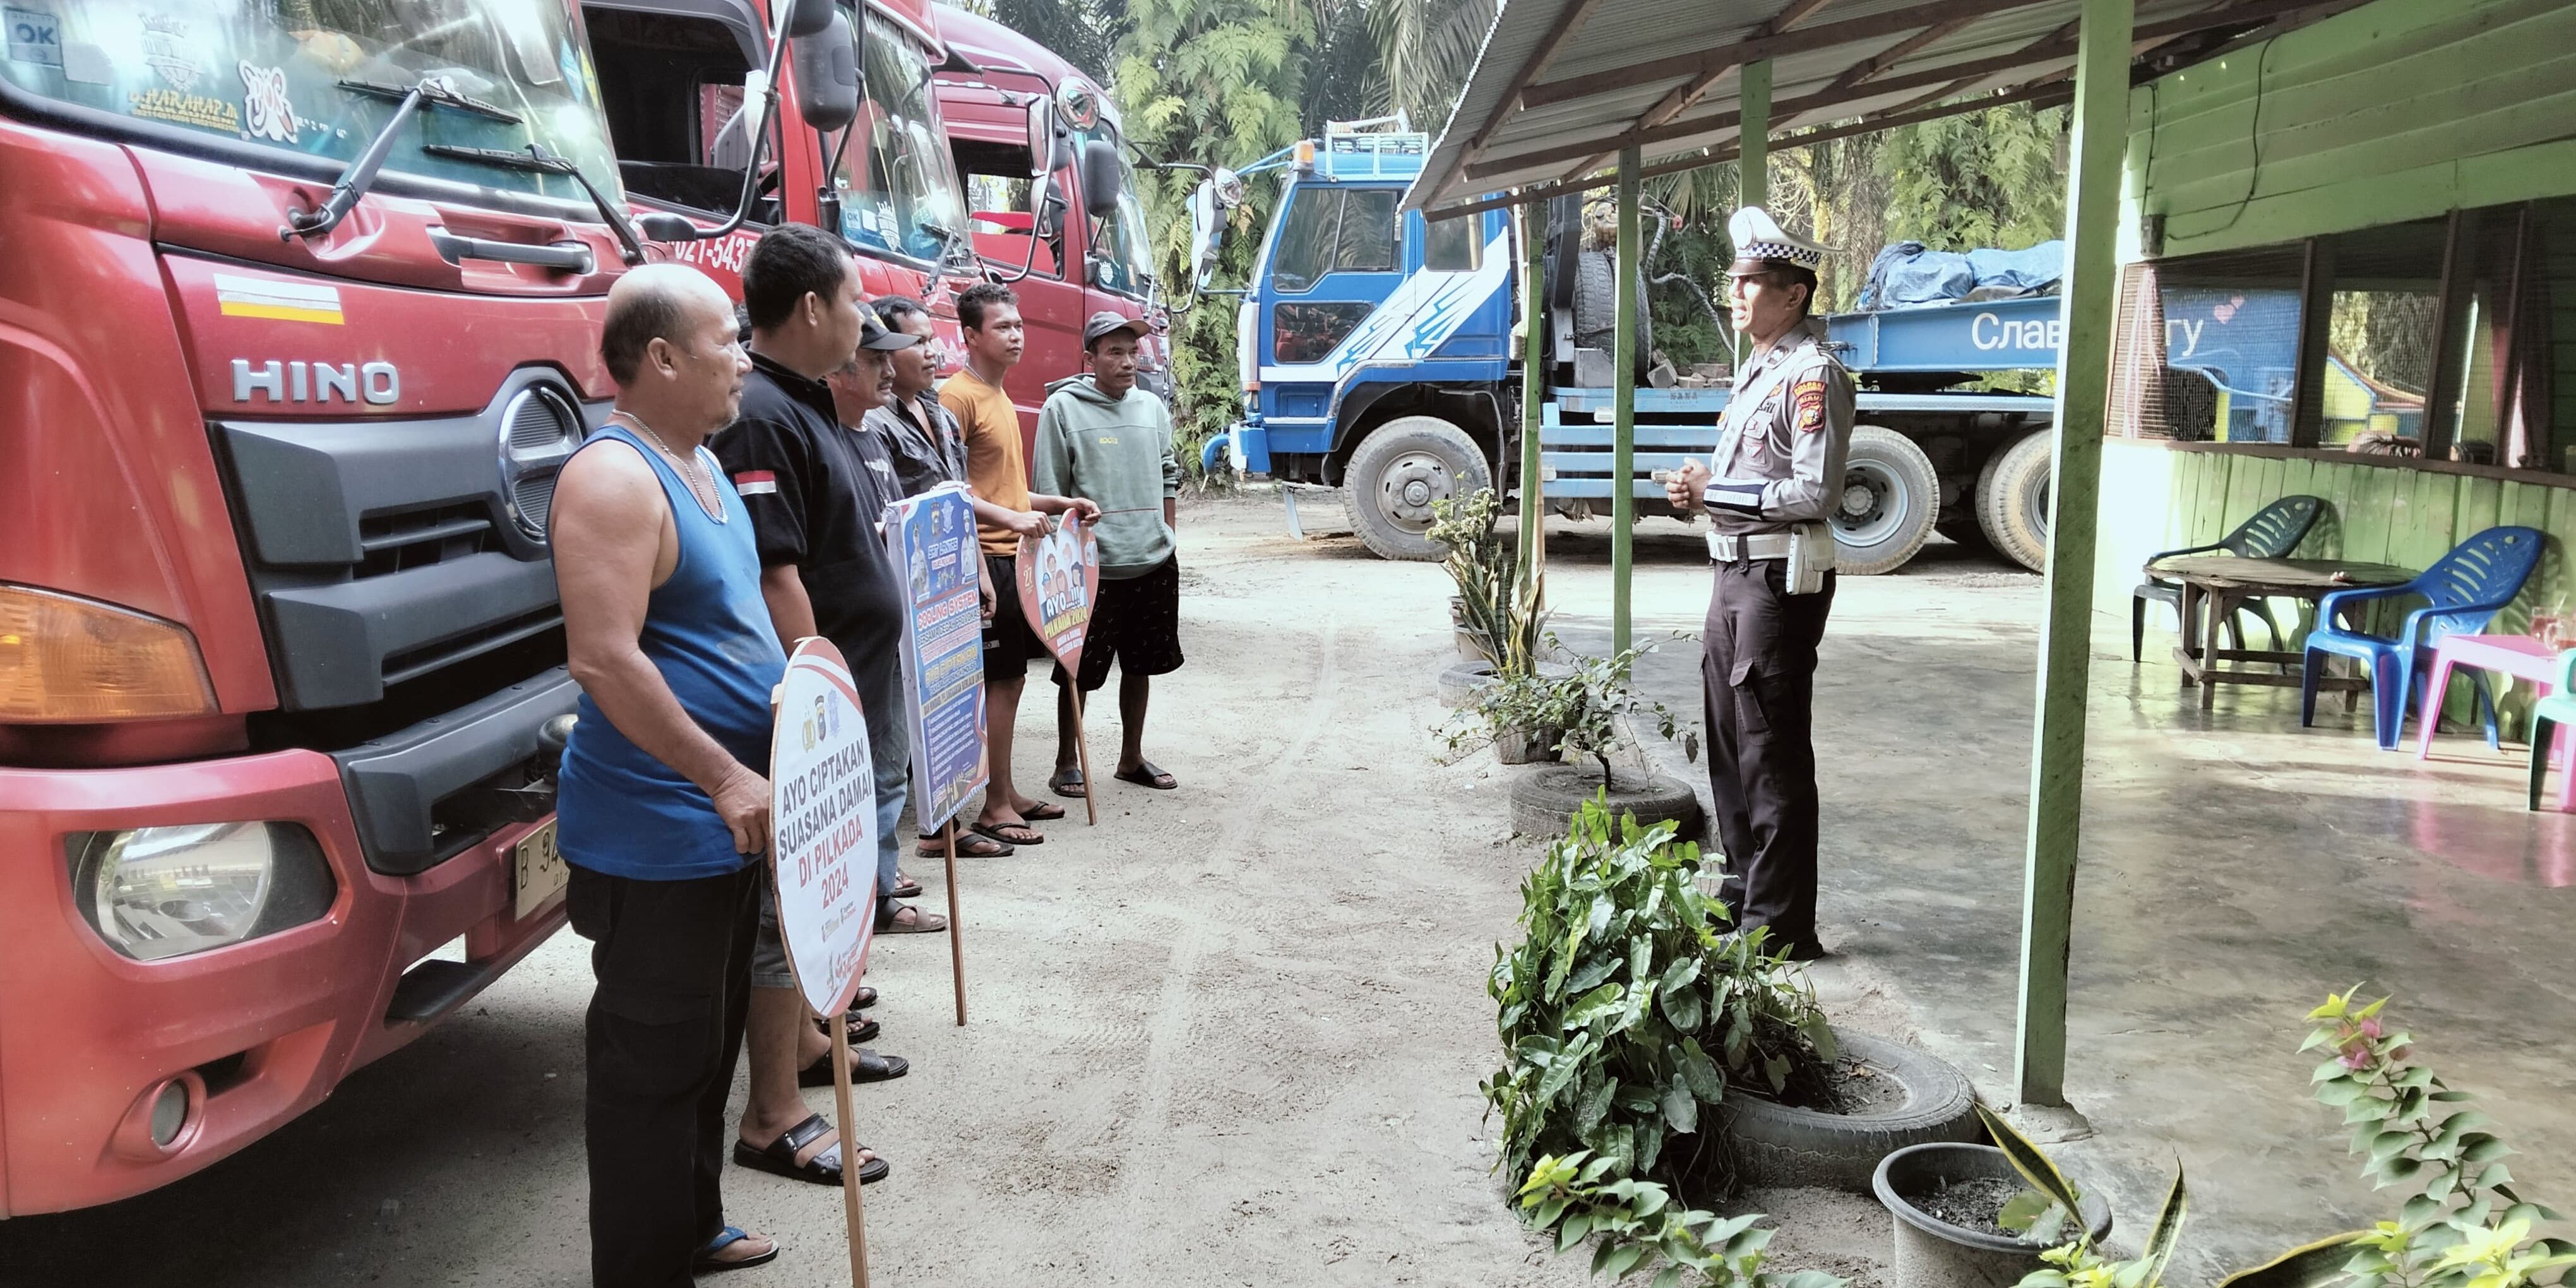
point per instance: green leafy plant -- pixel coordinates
(1587, 710)
(1499, 606)
(2464, 1226)
(1625, 1010)
(1635, 1223)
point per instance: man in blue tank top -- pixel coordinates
(664, 799)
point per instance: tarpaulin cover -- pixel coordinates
(1907, 274)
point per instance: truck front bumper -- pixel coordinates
(253, 1033)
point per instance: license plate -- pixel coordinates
(537, 869)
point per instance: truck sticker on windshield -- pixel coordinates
(183, 109)
(276, 300)
(165, 51)
(35, 36)
(264, 102)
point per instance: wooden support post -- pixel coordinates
(957, 923)
(1623, 429)
(1533, 548)
(2316, 310)
(2101, 116)
(1753, 154)
(2450, 325)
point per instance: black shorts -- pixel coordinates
(1009, 644)
(1136, 620)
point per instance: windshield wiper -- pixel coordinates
(360, 173)
(536, 160)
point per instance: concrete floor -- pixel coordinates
(1233, 1035)
(2236, 868)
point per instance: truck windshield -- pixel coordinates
(321, 77)
(898, 185)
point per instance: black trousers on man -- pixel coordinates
(1758, 677)
(673, 959)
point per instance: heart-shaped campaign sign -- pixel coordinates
(1059, 574)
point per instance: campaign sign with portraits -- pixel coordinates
(932, 538)
(1058, 574)
(823, 812)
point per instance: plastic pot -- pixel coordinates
(1932, 1253)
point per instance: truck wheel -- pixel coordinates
(1401, 468)
(1891, 496)
(2012, 499)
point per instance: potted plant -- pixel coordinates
(1497, 614)
(1966, 1218)
(1630, 1018)
(1585, 711)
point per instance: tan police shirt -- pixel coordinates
(1792, 429)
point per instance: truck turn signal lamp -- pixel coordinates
(65, 660)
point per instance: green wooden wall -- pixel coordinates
(2397, 110)
(2158, 496)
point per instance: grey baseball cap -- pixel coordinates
(1105, 323)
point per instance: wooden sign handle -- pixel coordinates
(956, 927)
(853, 1208)
(1082, 750)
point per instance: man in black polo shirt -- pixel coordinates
(816, 493)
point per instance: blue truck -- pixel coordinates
(1380, 361)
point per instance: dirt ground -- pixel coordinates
(1231, 1036)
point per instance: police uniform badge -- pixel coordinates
(1808, 400)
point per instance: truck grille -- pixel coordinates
(382, 551)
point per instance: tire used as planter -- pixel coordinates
(1544, 803)
(1891, 498)
(1462, 682)
(1773, 1144)
(1399, 470)
(1526, 746)
(1932, 1253)
(2012, 499)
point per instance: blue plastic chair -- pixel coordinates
(2462, 593)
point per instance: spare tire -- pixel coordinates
(1399, 470)
(1890, 499)
(2013, 496)
(1772, 1144)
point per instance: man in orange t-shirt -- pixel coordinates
(988, 317)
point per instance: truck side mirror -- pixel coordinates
(663, 226)
(810, 18)
(827, 76)
(1207, 233)
(1041, 138)
(1102, 179)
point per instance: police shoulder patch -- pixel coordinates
(1809, 399)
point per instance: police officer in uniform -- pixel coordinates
(1776, 475)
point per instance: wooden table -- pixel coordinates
(2212, 587)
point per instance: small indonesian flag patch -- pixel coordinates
(756, 483)
(1809, 399)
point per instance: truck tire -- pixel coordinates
(2012, 499)
(1891, 498)
(1400, 469)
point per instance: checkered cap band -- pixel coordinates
(1780, 250)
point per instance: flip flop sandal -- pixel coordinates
(1148, 774)
(865, 1066)
(910, 889)
(1043, 812)
(862, 1028)
(1066, 783)
(778, 1158)
(922, 923)
(995, 832)
(866, 997)
(969, 846)
(707, 1262)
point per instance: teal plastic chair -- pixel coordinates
(2546, 715)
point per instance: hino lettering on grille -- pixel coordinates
(379, 383)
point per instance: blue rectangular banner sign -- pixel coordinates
(932, 538)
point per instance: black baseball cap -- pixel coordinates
(874, 335)
(1105, 323)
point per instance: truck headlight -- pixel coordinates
(157, 892)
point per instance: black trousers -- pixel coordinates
(1758, 678)
(673, 959)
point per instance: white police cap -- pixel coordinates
(1762, 245)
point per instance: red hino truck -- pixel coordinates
(861, 150)
(297, 323)
(1062, 224)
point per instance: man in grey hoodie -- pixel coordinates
(1102, 439)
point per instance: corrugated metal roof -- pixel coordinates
(1562, 85)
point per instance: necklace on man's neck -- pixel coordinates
(702, 488)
